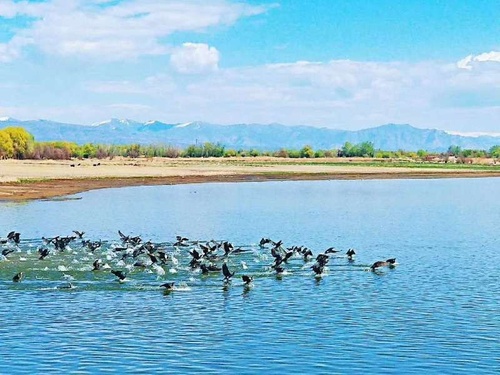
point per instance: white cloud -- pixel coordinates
(347, 94)
(195, 58)
(338, 93)
(12, 49)
(493, 56)
(112, 31)
(468, 61)
(154, 85)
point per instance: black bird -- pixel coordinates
(228, 247)
(44, 252)
(247, 279)
(322, 259)
(277, 261)
(205, 269)
(380, 263)
(274, 253)
(120, 274)
(196, 255)
(15, 237)
(168, 286)
(288, 255)
(227, 274)
(79, 234)
(153, 258)
(135, 240)
(181, 241)
(204, 248)
(18, 277)
(6, 252)
(279, 270)
(123, 237)
(163, 256)
(93, 246)
(264, 241)
(307, 253)
(97, 265)
(331, 250)
(391, 261)
(317, 268)
(350, 253)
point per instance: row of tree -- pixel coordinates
(457, 151)
(18, 143)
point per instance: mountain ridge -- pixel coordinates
(246, 136)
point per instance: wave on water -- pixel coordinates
(86, 264)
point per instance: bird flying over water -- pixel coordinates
(350, 253)
(227, 274)
(79, 234)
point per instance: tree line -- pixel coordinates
(17, 143)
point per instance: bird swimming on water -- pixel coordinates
(18, 277)
(120, 274)
(247, 279)
(383, 263)
(97, 265)
(168, 286)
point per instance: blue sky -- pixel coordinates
(340, 64)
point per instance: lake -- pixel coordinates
(436, 312)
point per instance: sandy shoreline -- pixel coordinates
(28, 179)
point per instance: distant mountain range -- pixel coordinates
(247, 136)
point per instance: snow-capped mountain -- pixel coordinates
(247, 136)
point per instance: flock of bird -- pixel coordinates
(129, 254)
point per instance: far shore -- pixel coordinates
(22, 180)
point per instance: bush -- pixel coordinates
(230, 153)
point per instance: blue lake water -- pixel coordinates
(436, 312)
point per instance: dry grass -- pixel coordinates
(28, 179)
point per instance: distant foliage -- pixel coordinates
(204, 151)
(365, 149)
(16, 142)
(495, 151)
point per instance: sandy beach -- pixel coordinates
(29, 179)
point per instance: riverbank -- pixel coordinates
(29, 179)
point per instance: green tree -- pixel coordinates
(495, 151)
(230, 153)
(307, 152)
(347, 149)
(422, 153)
(366, 149)
(454, 150)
